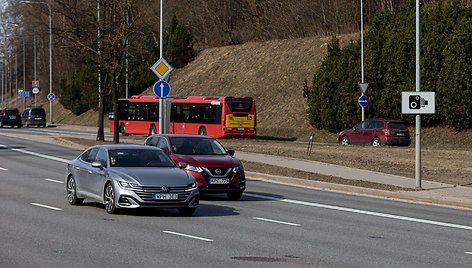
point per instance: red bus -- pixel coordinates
(204, 115)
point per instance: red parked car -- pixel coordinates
(214, 167)
(376, 132)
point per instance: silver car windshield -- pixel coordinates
(139, 158)
(197, 146)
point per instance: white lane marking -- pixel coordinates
(364, 212)
(468, 252)
(44, 206)
(51, 180)
(4, 169)
(37, 154)
(274, 221)
(189, 236)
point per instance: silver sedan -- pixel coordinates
(130, 176)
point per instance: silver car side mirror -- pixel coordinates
(97, 165)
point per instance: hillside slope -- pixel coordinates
(271, 72)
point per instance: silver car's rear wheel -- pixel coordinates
(109, 199)
(72, 192)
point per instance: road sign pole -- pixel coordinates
(418, 86)
(161, 107)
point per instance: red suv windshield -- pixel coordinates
(196, 146)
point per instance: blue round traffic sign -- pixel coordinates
(161, 89)
(51, 96)
(363, 101)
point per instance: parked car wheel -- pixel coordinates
(109, 197)
(376, 142)
(72, 192)
(345, 141)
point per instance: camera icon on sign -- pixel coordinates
(416, 102)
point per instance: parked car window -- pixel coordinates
(102, 157)
(380, 124)
(396, 125)
(38, 112)
(361, 126)
(11, 112)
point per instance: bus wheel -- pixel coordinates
(152, 130)
(123, 130)
(202, 131)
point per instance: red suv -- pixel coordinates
(214, 167)
(376, 132)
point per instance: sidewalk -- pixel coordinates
(433, 193)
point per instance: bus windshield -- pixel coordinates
(239, 105)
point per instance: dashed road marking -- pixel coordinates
(188, 236)
(45, 206)
(364, 212)
(275, 221)
(51, 180)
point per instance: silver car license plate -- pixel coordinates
(219, 180)
(166, 196)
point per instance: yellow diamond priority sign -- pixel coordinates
(161, 68)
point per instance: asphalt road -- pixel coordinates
(272, 226)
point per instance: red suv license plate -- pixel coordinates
(219, 181)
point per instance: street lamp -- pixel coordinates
(50, 52)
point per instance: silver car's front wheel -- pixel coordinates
(72, 192)
(109, 199)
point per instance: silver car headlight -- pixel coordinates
(128, 185)
(194, 168)
(238, 169)
(192, 187)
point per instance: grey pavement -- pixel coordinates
(433, 193)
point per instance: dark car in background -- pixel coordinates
(130, 176)
(376, 132)
(214, 167)
(10, 117)
(34, 116)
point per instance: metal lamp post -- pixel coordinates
(50, 52)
